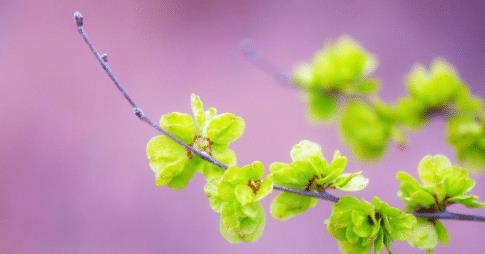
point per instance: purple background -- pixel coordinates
(73, 172)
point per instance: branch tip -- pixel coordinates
(79, 18)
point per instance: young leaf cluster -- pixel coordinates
(442, 185)
(360, 226)
(310, 171)
(342, 73)
(236, 197)
(206, 131)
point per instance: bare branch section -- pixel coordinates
(103, 60)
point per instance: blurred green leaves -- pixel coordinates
(341, 75)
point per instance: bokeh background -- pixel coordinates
(73, 173)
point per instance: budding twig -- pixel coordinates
(103, 60)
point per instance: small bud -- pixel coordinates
(79, 18)
(104, 56)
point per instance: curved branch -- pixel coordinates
(103, 60)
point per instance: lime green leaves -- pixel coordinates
(467, 135)
(427, 234)
(366, 130)
(360, 226)
(341, 74)
(342, 65)
(341, 68)
(310, 171)
(436, 87)
(236, 197)
(442, 184)
(206, 131)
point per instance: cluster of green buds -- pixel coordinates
(360, 226)
(442, 185)
(342, 68)
(206, 131)
(236, 197)
(309, 171)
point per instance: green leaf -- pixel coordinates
(367, 133)
(352, 182)
(287, 205)
(181, 180)
(321, 105)
(467, 135)
(470, 201)
(242, 223)
(342, 62)
(167, 159)
(434, 88)
(306, 150)
(413, 193)
(441, 232)
(367, 86)
(423, 235)
(198, 111)
(244, 194)
(430, 169)
(225, 128)
(180, 125)
(295, 175)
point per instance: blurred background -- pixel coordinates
(73, 173)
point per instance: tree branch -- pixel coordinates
(103, 60)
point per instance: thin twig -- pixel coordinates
(102, 59)
(451, 216)
(255, 57)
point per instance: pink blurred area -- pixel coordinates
(73, 173)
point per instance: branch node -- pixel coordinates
(104, 56)
(138, 112)
(79, 19)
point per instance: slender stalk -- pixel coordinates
(103, 60)
(256, 58)
(451, 216)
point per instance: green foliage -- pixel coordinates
(206, 131)
(341, 68)
(341, 73)
(442, 185)
(467, 135)
(428, 87)
(236, 197)
(360, 226)
(310, 171)
(365, 130)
